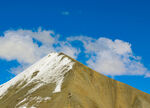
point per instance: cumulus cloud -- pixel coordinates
(111, 57)
(27, 46)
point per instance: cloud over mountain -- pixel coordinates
(110, 57)
(27, 46)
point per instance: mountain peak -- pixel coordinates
(50, 69)
(58, 81)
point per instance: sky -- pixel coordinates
(110, 36)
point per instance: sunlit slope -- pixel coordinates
(81, 88)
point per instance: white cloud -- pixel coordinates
(65, 13)
(147, 75)
(111, 57)
(19, 45)
(19, 69)
(104, 55)
(68, 49)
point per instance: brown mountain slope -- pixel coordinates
(81, 88)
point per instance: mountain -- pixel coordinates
(58, 81)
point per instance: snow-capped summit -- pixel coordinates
(58, 81)
(50, 69)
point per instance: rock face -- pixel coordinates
(58, 81)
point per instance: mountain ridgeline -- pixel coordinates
(58, 81)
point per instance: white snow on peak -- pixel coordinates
(22, 101)
(58, 86)
(37, 100)
(50, 69)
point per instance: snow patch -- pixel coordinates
(47, 98)
(24, 106)
(58, 85)
(34, 88)
(22, 101)
(38, 100)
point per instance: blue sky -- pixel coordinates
(128, 21)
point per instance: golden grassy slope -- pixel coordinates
(82, 88)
